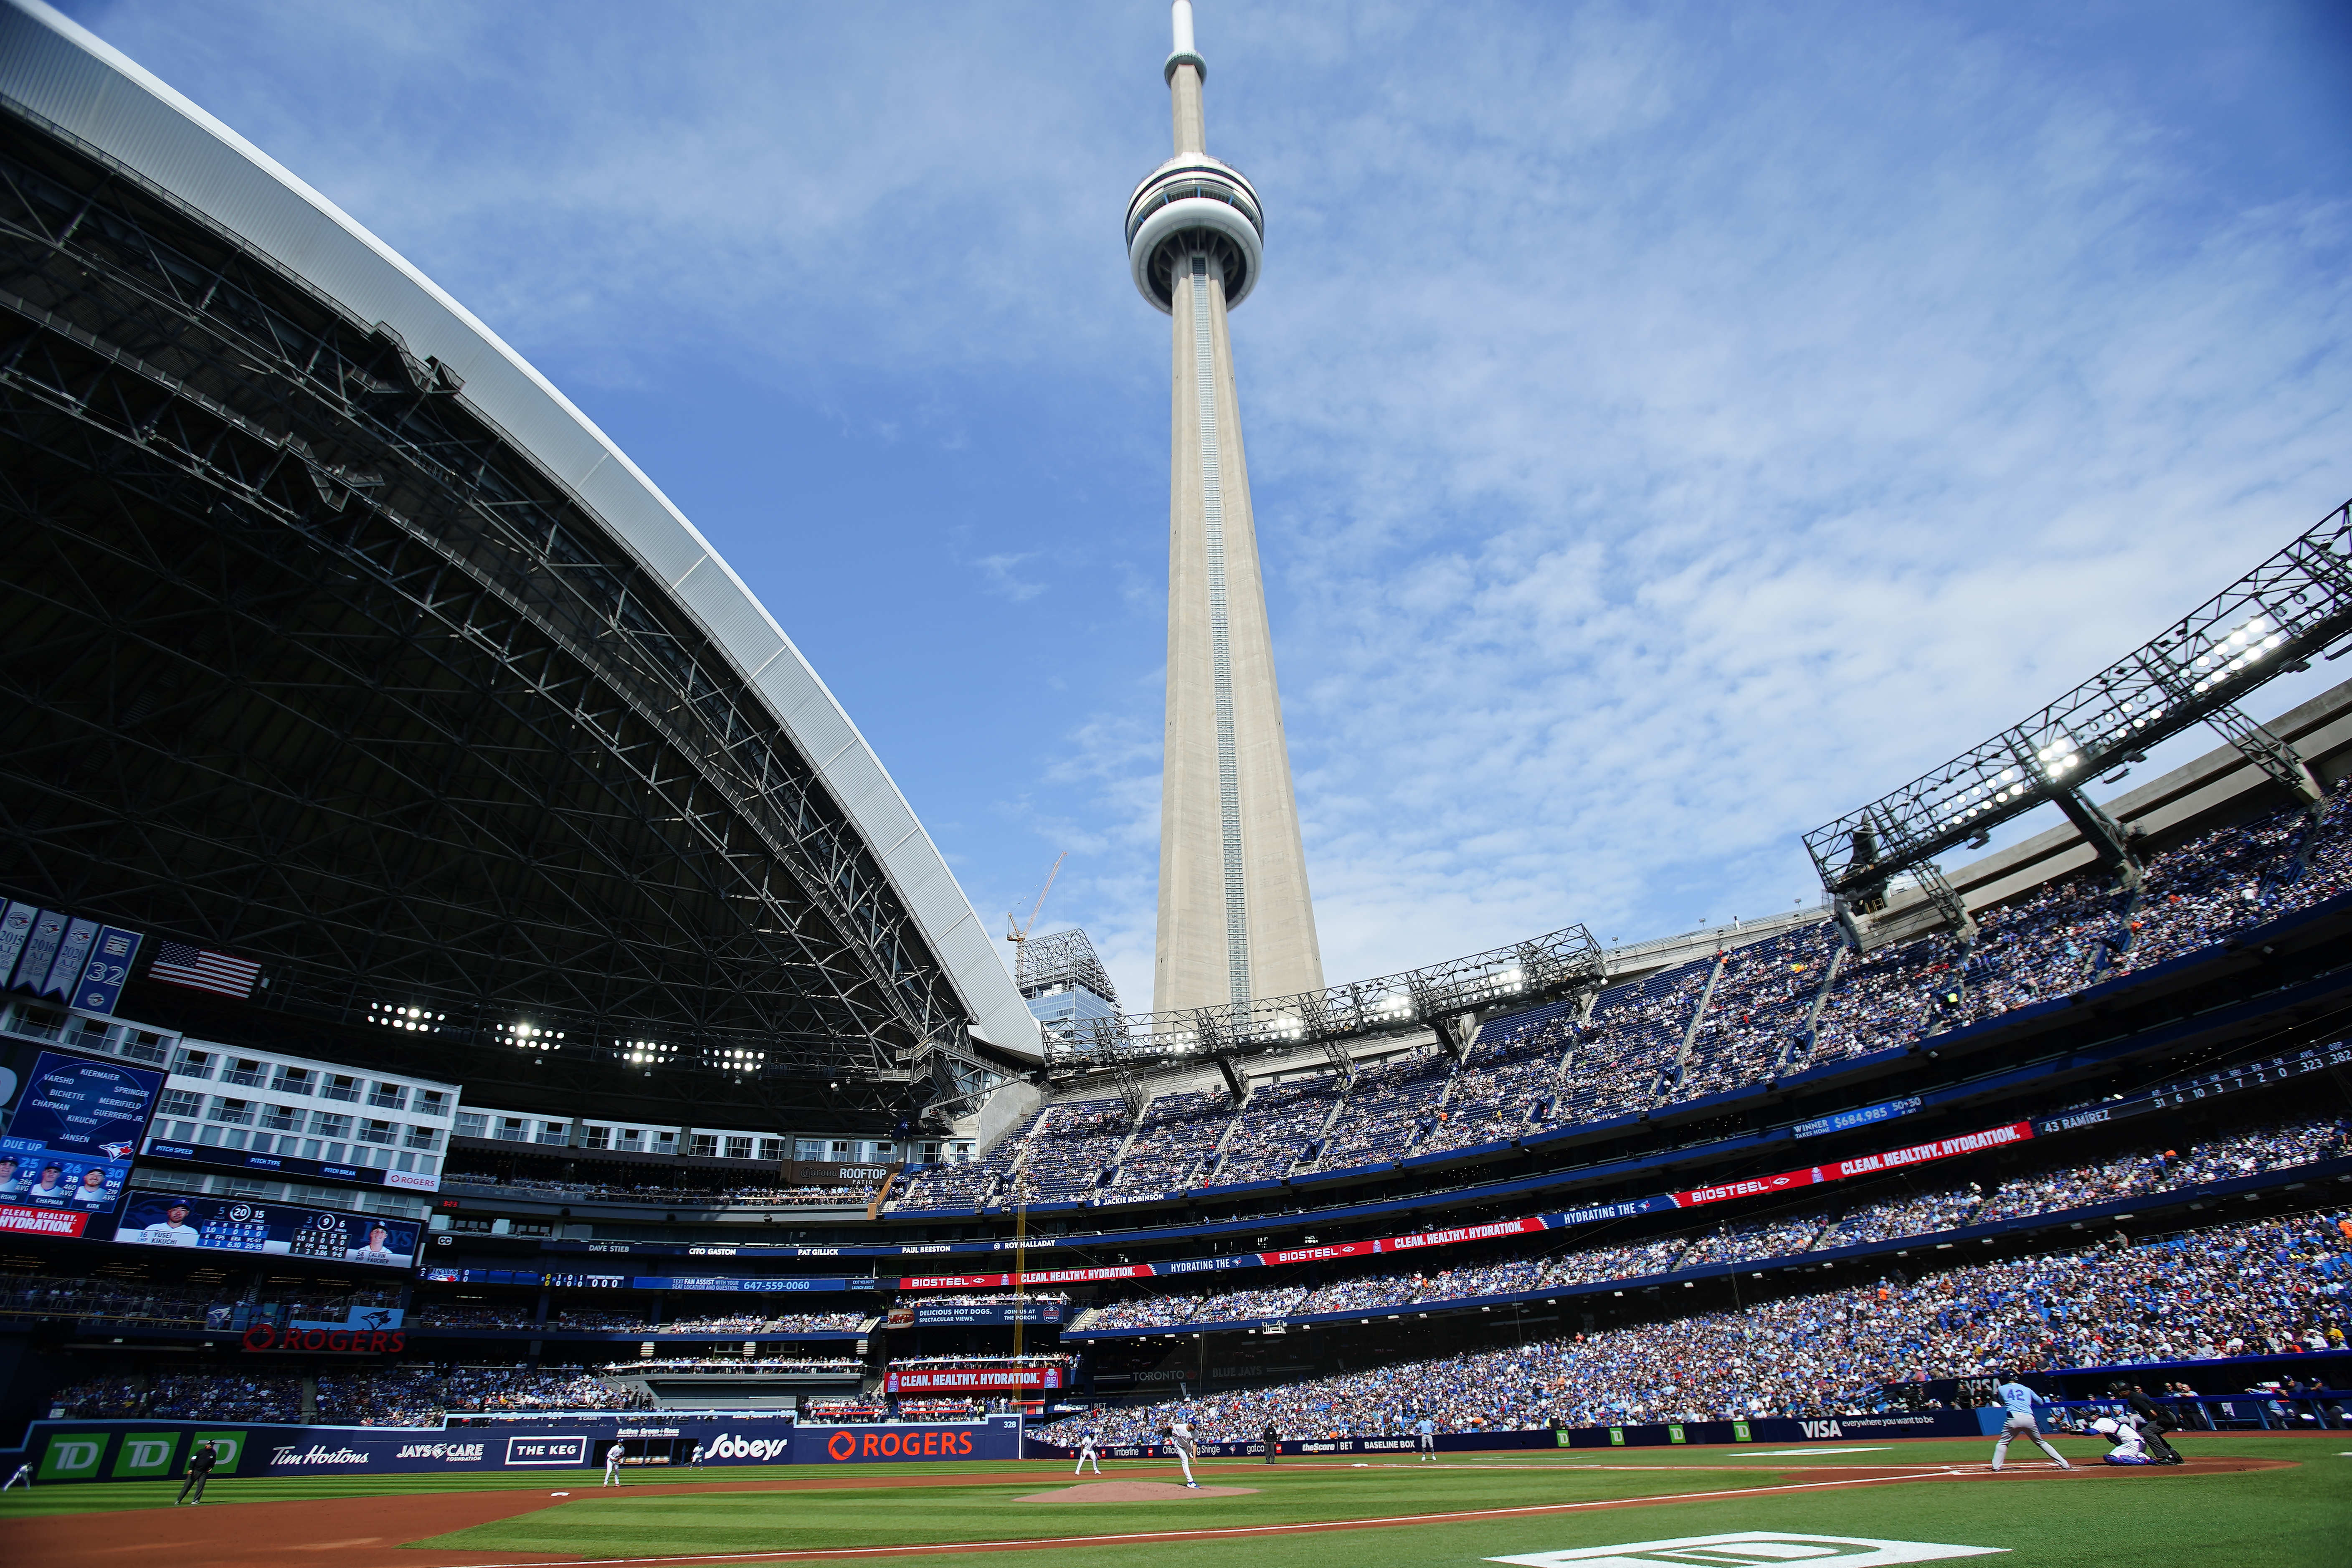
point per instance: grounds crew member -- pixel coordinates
(612, 1466)
(2020, 1401)
(200, 1470)
(1087, 1455)
(1272, 1436)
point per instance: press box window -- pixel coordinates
(705, 1146)
(470, 1125)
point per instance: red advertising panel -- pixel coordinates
(1866, 1165)
(973, 1380)
(1034, 1277)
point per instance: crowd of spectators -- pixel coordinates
(1794, 1000)
(1275, 1129)
(417, 1396)
(1386, 1107)
(1756, 1012)
(752, 1195)
(1177, 1134)
(1885, 1215)
(474, 1315)
(1071, 1146)
(2271, 1286)
(117, 1300)
(839, 1366)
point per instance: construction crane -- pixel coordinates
(1018, 933)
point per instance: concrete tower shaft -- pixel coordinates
(1235, 917)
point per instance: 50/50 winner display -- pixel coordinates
(241, 1225)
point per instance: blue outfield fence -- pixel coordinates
(140, 1449)
(1764, 1429)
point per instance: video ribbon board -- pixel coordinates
(65, 1161)
(81, 962)
(243, 1224)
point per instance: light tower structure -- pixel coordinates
(1235, 919)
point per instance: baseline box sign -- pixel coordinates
(927, 1380)
(241, 1225)
(66, 1161)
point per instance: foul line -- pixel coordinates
(1051, 1542)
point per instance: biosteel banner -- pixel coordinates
(1754, 1186)
(1863, 1165)
(968, 1380)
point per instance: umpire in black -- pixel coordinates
(200, 1470)
(1272, 1436)
(2154, 1421)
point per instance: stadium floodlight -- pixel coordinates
(2272, 619)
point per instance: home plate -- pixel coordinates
(1132, 1491)
(1793, 1453)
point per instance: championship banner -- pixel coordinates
(925, 1380)
(39, 949)
(67, 1156)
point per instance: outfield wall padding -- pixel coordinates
(1767, 1429)
(140, 1449)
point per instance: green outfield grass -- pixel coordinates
(2293, 1517)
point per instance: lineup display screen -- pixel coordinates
(65, 1162)
(243, 1224)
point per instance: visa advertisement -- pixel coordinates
(245, 1225)
(65, 1160)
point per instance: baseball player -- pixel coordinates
(2020, 1401)
(200, 1470)
(2124, 1445)
(24, 1473)
(696, 1460)
(1087, 1455)
(1426, 1430)
(611, 1467)
(1180, 1437)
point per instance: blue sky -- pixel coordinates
(1670, 427)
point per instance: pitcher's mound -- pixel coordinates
(1132, 1491)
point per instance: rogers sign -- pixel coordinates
(330, 1342)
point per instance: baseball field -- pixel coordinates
(2252, 1501)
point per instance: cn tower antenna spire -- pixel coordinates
(1236, 923)
(1184, 87)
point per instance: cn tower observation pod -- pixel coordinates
(442, 700)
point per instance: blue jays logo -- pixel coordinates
(375, 1320)
(116, 1151)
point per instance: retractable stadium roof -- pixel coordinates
(343, 641)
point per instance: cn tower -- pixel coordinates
(1235, 919)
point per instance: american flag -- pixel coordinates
(176, 963)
